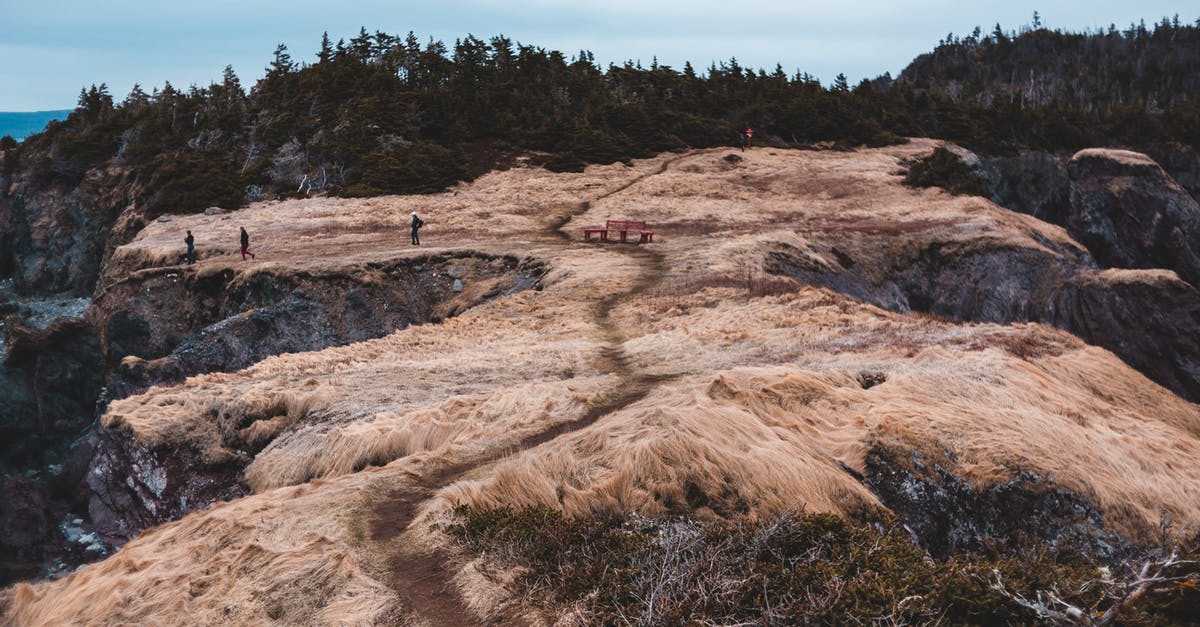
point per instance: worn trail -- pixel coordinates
(422, 577)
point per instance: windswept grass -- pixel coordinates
(766, 394)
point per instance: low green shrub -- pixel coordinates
(946, 170)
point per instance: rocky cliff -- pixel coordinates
(54, 238)
(1131, 214)
(1129, 211)
(160, 326)
(805, 332)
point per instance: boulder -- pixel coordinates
(1131, 214)
(1150, 318)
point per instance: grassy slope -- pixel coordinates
(754, 397)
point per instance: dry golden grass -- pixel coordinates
(757, 401)
(266, 560)
(773, 402)
(1126, 157)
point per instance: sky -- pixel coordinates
(49, 49)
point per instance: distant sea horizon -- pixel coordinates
(22, 124)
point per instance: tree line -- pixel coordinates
(384, 113)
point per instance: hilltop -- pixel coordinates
(855, 374)
(806, 334)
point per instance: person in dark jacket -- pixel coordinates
(417, 223)
(190, 255)
(246, 244)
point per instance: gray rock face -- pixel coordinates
(48, 385)
(979, 282)
(972, 280)
(132, 487)
(1130, 214)
(164, 326)
(1126, 209)
(1181, 163)
(949, 515)
(26, 523)
(1038, 183)
(1031, 182)
(56, 240)
(1149, 319)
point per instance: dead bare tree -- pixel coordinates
(1156, 576)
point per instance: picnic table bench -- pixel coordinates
(622, 227)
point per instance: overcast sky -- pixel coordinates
(49, 49)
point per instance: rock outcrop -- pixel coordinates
(49, 381)
(961, 280)
(1181, 162)
(1130, 214)
(1032, 182)
(949, 515)
(164, 325)
(160, 326)
(57, 239)
(1129, 211)
(131, 487)
(1150, 318)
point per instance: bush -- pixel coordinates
(415, 168)
(188, 181)
(566, 162)
(790, 569)
(945, 170)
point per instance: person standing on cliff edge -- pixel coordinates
(190, 255)
(246, 244)
(417, 223)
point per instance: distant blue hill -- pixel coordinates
(22, 124)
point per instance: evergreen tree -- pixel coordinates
(325, 54)
(369, 116)
(281, 64)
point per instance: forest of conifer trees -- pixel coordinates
(387, 114)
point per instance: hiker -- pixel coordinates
(417, 223)
(246, 244)
(190, 255)
(747, 135)
(744, 141)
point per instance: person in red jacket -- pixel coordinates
(246, 244)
